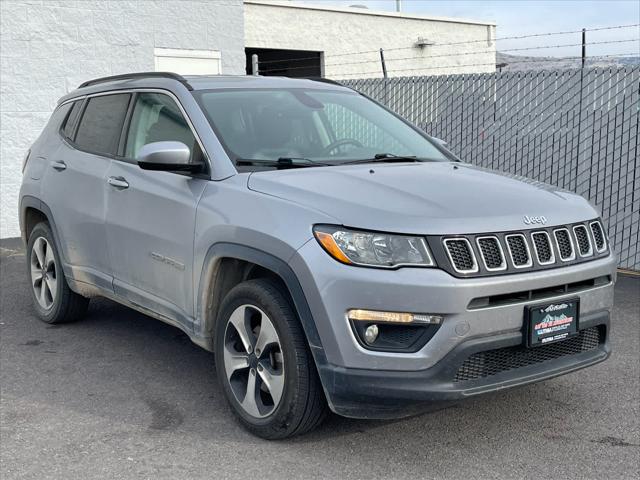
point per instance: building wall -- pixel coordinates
(340, 31)
(48, 48)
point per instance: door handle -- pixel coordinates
(118, 182)
(59, 165)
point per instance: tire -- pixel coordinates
(53, 300)
(283, 406)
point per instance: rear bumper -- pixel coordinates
(362, 393)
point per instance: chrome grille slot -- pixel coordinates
(583, 240)
(565, 245)
(492, 254)
(518, 250)
(461, 255)
(598, 236)
(543, 248)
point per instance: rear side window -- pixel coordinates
(70, 122)
(101, 123)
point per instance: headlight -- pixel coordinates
(373, 249)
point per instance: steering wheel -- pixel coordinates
(340, 143)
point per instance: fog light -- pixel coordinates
(394, 317)
(370, 334)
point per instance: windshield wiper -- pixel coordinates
(386, 157)
(282, 162)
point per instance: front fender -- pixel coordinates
(265, 260)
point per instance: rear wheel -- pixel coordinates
(264, 364)
(53, 300)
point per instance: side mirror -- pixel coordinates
(168, 157)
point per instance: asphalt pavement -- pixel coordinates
(120, 395)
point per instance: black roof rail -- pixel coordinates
(127, 76)
(324, 80)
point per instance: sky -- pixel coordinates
(524, 17)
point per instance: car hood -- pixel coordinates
(427, 198)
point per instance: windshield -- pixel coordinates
(310, 126)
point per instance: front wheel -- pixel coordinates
(53, 300)
(263, 362)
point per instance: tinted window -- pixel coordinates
(58, 116)
(69, 124)
(157, 118)
(101, 123)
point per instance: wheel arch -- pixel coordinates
(32, 211)
(228, 264)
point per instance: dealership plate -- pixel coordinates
(552, 322)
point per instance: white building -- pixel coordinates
(321, 40)
(47, 48)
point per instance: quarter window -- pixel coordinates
(157, 118)
(70, 122)
(101, 123)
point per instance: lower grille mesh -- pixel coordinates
(485, 364)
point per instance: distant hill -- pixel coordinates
(520, 63)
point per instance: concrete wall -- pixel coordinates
(48, 48)
(340, 31)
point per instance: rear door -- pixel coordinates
(75, 184)
(151, 214)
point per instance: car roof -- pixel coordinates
(171, 81)
(212, 82)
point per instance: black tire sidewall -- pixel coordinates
(287, 327)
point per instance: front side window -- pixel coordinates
(319, 125)
(157, 118)
(101, 123)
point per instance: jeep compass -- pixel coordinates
(332, 255)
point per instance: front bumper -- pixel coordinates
(374, 384)
(378, 394)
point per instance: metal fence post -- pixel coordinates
(384, 65)
(254, 64)
(584, 46)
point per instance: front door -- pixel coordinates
(151, 214)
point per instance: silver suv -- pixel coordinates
(331, 255)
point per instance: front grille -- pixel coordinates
(461, 255)
(491, 252)
(542, 246)
(565, 246)
(598, 236)
(584, 242)
(518, 250)
(492, 362)
(498, 253)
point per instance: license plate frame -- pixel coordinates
(547, 323)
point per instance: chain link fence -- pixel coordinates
(576, 129)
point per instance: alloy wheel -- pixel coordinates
(44, 278)
(253, 361)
